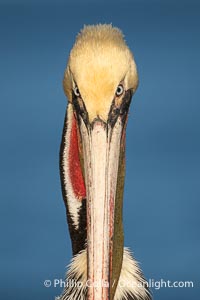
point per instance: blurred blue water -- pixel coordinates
(161, 207)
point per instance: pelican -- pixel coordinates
(99, 81)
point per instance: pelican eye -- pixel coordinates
(76, 92)
(120, 90)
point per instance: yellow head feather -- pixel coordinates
(98, 62)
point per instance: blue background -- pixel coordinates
(161, 205)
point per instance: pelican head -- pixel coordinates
(99, 82)
(101, 68)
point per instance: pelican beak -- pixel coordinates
(103, 145)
